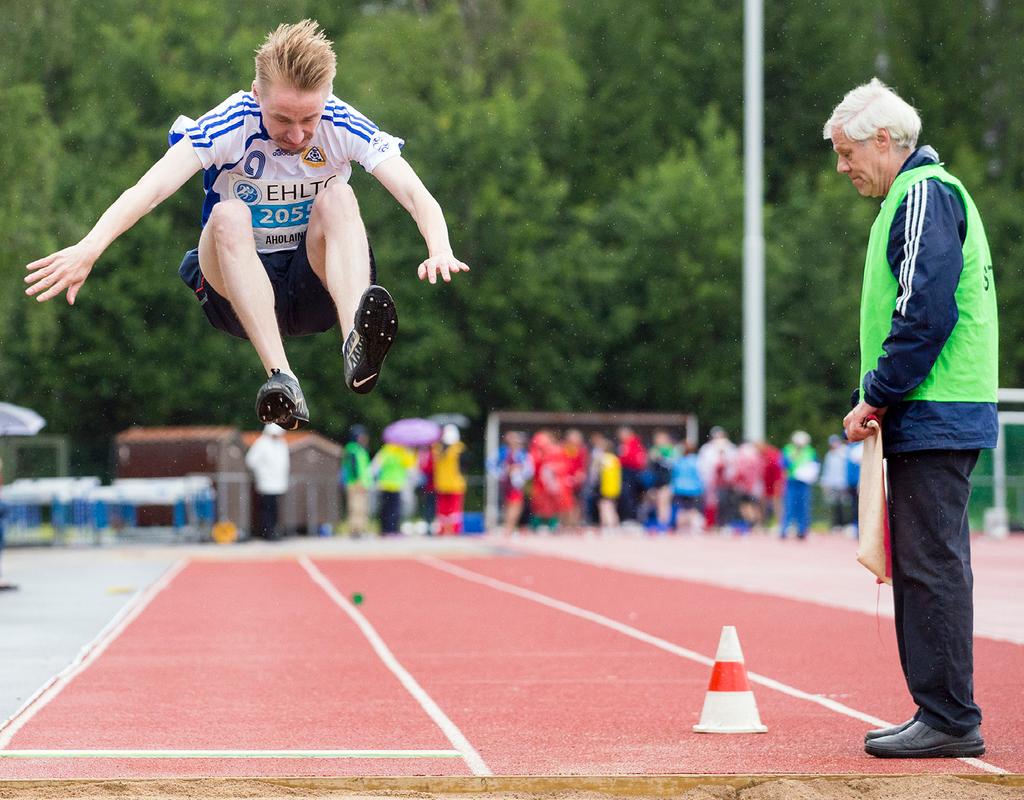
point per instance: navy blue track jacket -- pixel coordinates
(925, 316)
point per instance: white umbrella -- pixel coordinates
(18, 421)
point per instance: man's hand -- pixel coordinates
(68, 268)
(856, 422)
(398, 177)
(446, 264)
(65, 269)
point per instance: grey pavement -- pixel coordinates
(65, 598)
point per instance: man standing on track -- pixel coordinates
(283, 249)
(929, 348)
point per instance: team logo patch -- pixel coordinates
(313, 157)
(248, 193)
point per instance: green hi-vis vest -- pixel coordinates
(967, 367)
(355, 467)
(796, 457)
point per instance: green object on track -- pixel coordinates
(357, 598)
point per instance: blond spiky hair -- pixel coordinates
(298, 55)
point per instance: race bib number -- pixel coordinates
(280, 209)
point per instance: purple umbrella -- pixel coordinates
(412, 432)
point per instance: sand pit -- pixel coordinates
(917, 787)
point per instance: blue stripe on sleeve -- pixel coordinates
(361, 134)
(355, 114)
(246, 101)
(210, 133)
(209, 140)
(339, 111)
(370, 129)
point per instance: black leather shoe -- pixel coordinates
(878, 733)
(920, 741)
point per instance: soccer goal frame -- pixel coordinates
(997, 518)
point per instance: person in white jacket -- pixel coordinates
(716, 463)
(270, 463)
(835, 482)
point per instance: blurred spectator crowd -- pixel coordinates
(417, 483)
(553, 480)
(564, 480)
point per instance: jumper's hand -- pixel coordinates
(446, 264)
(66, 269)
(856, 422)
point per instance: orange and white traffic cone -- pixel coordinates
(729, 705)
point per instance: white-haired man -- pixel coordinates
(929, 348)
(283, 249)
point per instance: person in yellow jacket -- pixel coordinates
(391, 467)
(609, 480)
(449, 482)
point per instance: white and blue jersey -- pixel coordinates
(240, 160)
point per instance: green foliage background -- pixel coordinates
(587, 155)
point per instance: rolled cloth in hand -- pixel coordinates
(874, 550)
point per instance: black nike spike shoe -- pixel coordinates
(280, 401)
(373, 333)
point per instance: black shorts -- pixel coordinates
(301, 301)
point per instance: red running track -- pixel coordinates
(239, 656)
(257, 656)
(538, 691)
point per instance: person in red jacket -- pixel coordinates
(633, 457)
(547, 499)
(772, 460)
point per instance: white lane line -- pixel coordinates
(185, 754)
(669, 647)
(984, 765)
(87, 655)
(449, 728)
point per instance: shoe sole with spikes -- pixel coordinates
(376, 324)
(280, 401)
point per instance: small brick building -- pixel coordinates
(219, 453)
(172, 452)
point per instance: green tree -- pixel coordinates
(672, 260)
(587, 158)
